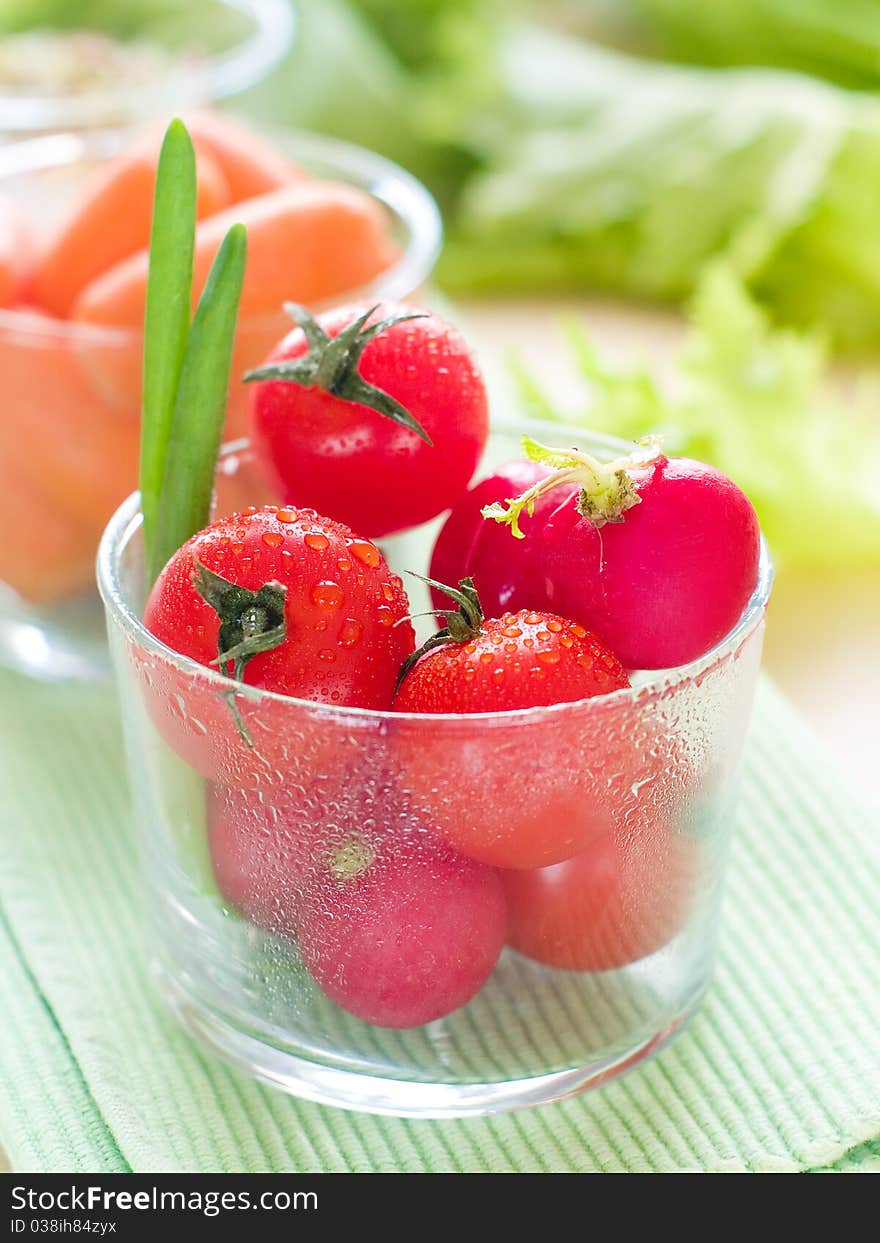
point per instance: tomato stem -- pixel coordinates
(331, 364)
(462, 624)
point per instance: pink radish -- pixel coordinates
(401, 933)
(468, 547)
(393, 925)
(658, 555)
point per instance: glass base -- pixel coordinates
(65, 641)
(364, 1093)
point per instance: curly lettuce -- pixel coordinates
(599, 170)
(834, 39)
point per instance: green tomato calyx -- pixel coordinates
(250, 621)
(462, 624)
(331, 364)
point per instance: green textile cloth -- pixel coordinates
(780, 1071)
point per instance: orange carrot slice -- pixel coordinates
(56, 434)
(250, 165)
(309, 242)
(46, 556)
(112, 221)
(16, 251)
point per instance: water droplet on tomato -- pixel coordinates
(317, 541)
(365, 552)
(344, 564)
(388, 592)
(273, 539)
(328, 595)
(579, 631)
(350, 634)
(536, 672)
(327, 654)
(511, 632)
(287, 515)
(384, 615)
(498, 676)
(469, 675)
(534, 619)
(566, 640)
(554, 626)
(510, 648)
(549, 658)
(248, 511)
(486, 658)
(237, 549)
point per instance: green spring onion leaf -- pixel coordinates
(166, 324)
(200, 405)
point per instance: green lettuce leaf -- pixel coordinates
(834, 39)
(599, 170)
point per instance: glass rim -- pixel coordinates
(399, 192)
(127, 520)
(245, 63)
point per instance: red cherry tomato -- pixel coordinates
(329, 441)
(623, 898)
(338, 604)
(529, 791)
(261, 848)
(507, 792)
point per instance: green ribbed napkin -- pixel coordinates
(780, 1071)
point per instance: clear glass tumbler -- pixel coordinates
(69, 424)
(616, 944)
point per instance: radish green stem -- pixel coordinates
(607, 489)
(200, 404)
(166, 323)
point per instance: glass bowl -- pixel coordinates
(638, 787)
(184, 55)
(69, 425)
